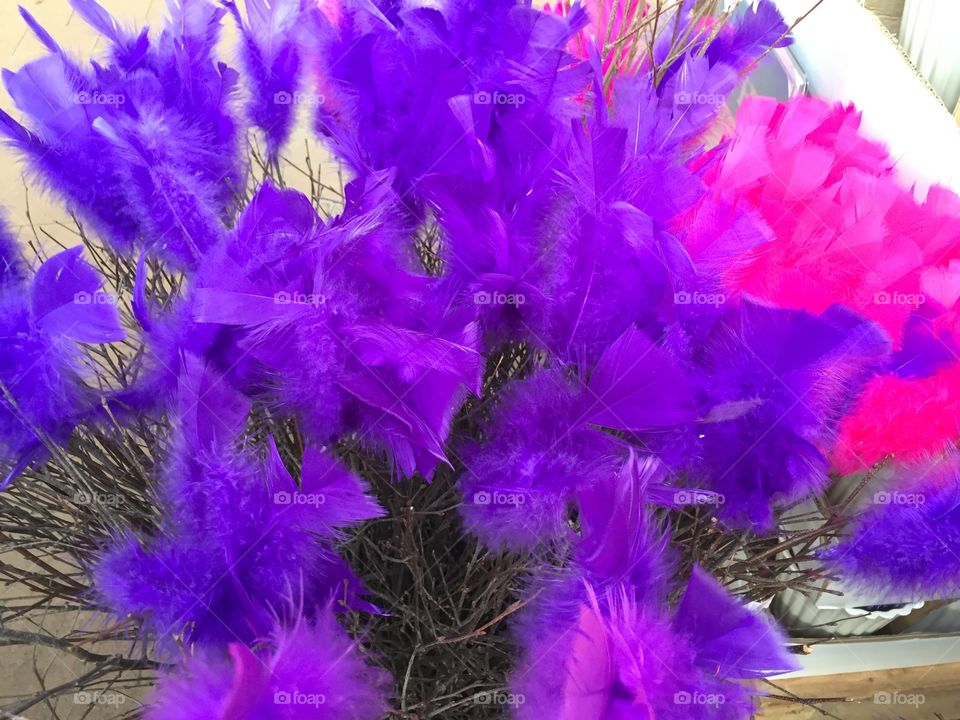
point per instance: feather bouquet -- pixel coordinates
(525, 418)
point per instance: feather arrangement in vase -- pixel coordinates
(527, 419)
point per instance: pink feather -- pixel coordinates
(905, 418)
(842, 229)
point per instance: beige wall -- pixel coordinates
(889, 11)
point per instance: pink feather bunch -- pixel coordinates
(841, 228)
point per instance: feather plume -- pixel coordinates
(309, 670)
(42, 368)
(903, 542)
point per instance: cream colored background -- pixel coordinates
(889, 11)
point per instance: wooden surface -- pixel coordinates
(908, 694)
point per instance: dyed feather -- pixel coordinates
(620, 541)
(671, 116)
(909, 419)
(341, 324)
(144, 149)
(272, 59)
(41, 366)
(545, 442)
(216, 576)
(491, 62)
(310, 670)
(773, 386)
(902, 544)
(12, 268)
(612, 656)
(518, 484)
(842, 228)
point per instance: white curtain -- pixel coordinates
(930, 33)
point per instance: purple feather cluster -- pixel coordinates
(601, 642)
(903, 543)
(272, 59)
(568, 226)
(240, 540)
(144, 148)
(44, 319)
(304, 671)
(338, 326)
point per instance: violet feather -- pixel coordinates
(272, 59)
(614, 655)
(773, 387)
(309, 670)
(670, 116)
(518, 484)
(12, 268)
(904, 541)
(41, 366)
(341, 323)
(240, 540)
(547, 439)
(144, 149)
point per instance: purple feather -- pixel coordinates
(310, 670)
(749, 33)
(13, 271)
(620, 541)
(272, 60)
(382, 111)
(342, 326)
(41, 366)
(144, 149)
(240, 541)
(610, 655)
(773, 386)
(732, 640)
(637, 386)
(536, 453)
(671, 117)
(903, 543)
